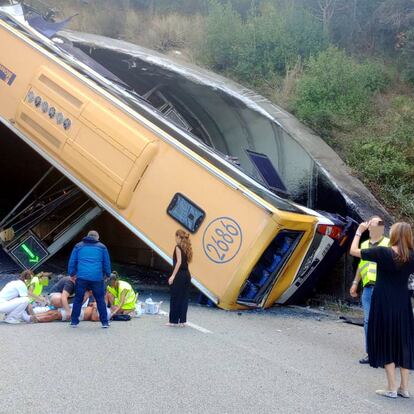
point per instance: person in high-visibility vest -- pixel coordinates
(35, 288)
(120, 296)
(367, 273)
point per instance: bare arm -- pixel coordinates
(86, 296)
(116, 309)
(355, 250)
(177, 266)
(65, 304)
(95, 314)
(53, 315)
(355, 283)
(35, 297)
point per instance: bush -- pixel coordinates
(387, 161)
(336, 90)
(223, 38)
(267, 41)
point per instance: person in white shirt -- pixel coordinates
(14, 299)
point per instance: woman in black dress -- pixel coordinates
(180, 280)
(391, 321)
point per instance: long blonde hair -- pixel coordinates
(401, 236)
(185, 244)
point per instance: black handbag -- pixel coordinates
(121, 318)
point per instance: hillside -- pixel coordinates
(343, 67)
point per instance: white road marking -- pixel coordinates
(199, 328)
(189, 324)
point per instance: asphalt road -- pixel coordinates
(278, 361)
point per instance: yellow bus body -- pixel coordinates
(133, 168)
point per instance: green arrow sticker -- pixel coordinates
(32, 257)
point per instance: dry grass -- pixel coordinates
(163, 32)
(280, 90)
(159, 32)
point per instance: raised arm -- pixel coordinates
(355, 250)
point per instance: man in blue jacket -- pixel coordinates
(90, 263)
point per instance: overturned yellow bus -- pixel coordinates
(252, 248)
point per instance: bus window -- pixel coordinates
(268, 172)
(186, 212)
(267, 269)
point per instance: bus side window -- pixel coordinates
(187, 213)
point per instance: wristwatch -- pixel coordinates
(358, 234)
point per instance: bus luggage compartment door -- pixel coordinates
(108, 150)
(49, 109)
(110, 153)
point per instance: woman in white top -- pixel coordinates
(14, 299)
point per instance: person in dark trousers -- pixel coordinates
(367, 273)
(391, 320)
(61, 292)
(90, 263)
(180, 280)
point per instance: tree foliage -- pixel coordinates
(268, 40)
(335, 90)
(329, 60)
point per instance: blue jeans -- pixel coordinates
(98, 290)
(366, 306)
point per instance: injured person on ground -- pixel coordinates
(89, 312)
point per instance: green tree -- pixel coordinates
(224, 37)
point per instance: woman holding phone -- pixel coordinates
(180, 279)
(391, 321)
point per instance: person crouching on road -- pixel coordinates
(35, 289)
(14, 299)
(180, 280)
(60, 293)
(120, 296)
(391, 320)
(90, 263)
(367, 272)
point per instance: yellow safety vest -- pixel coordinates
(38, 287)
(130, 297)
(368, 270)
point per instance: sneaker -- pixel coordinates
(364, 360)
(403, 393)
(105, 326)
(12, 321)
(387, 393)
(73, 325)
